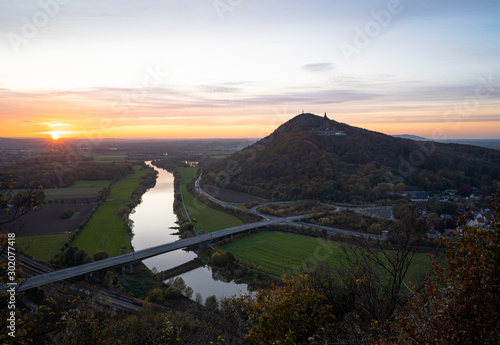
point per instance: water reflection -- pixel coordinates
(153, 219)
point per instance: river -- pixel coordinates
(153, 218)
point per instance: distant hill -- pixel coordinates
(489, 143)
(410, 136)
(312, 157)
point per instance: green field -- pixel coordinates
(91, 184)
(122, 190)
(105, 230)
(109, 158)
(280, 251)
(207, 219)
(71, 193)
(41, 247)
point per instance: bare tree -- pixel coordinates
(378, 269)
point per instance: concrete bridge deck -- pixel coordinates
(139, 255)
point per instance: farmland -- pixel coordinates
(91, 184)
(109, 158)
(207, 219)
(105, 230)
(280, 251)
(43, 247)
(72, 193)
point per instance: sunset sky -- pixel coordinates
(240, 68)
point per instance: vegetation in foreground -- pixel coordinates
(457, 304)
(281, 251)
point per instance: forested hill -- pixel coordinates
(309, 157)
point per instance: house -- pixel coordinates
(433, 234)
(418, 196)
(450, 232)
(480, 220)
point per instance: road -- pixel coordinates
(139, 255)
(165, 248)
(292, 221)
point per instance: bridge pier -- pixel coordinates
(127, 270)
(127, 259)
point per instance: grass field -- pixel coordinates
(280, 251)
(71, 192)
(105, 230)
(43, 247)
(207, 219)
(122, 190)
(109, 158)
(91, 184)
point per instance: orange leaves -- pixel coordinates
(288, 314)
(461, 303)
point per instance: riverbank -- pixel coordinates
(107, 228)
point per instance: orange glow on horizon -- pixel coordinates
(229, 123)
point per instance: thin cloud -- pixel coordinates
(218, 89)
(318, 67)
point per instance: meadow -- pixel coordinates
(105, 229)
(71, 192)
(109, 158)
(207, 219)
(91, 184)
(42, 248)
(279, 251)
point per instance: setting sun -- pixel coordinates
(54, 135)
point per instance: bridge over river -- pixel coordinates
(140, 255)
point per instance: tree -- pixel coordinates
(100, 255)
(16, 205)
(378, 268)
(465, 190)
(67, 213)
(295, 313)
(212, 303)
(460, 302)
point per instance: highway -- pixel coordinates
(138, 255)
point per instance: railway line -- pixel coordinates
(116, 301)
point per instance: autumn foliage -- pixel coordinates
(460, 303)
(295, 313)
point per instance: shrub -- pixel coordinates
(67, 213)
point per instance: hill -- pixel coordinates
(312, 157)
(410, 136)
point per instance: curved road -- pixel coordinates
(288, 220)
(138, 255)
(165, 248)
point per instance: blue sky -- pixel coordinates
(228, 68)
